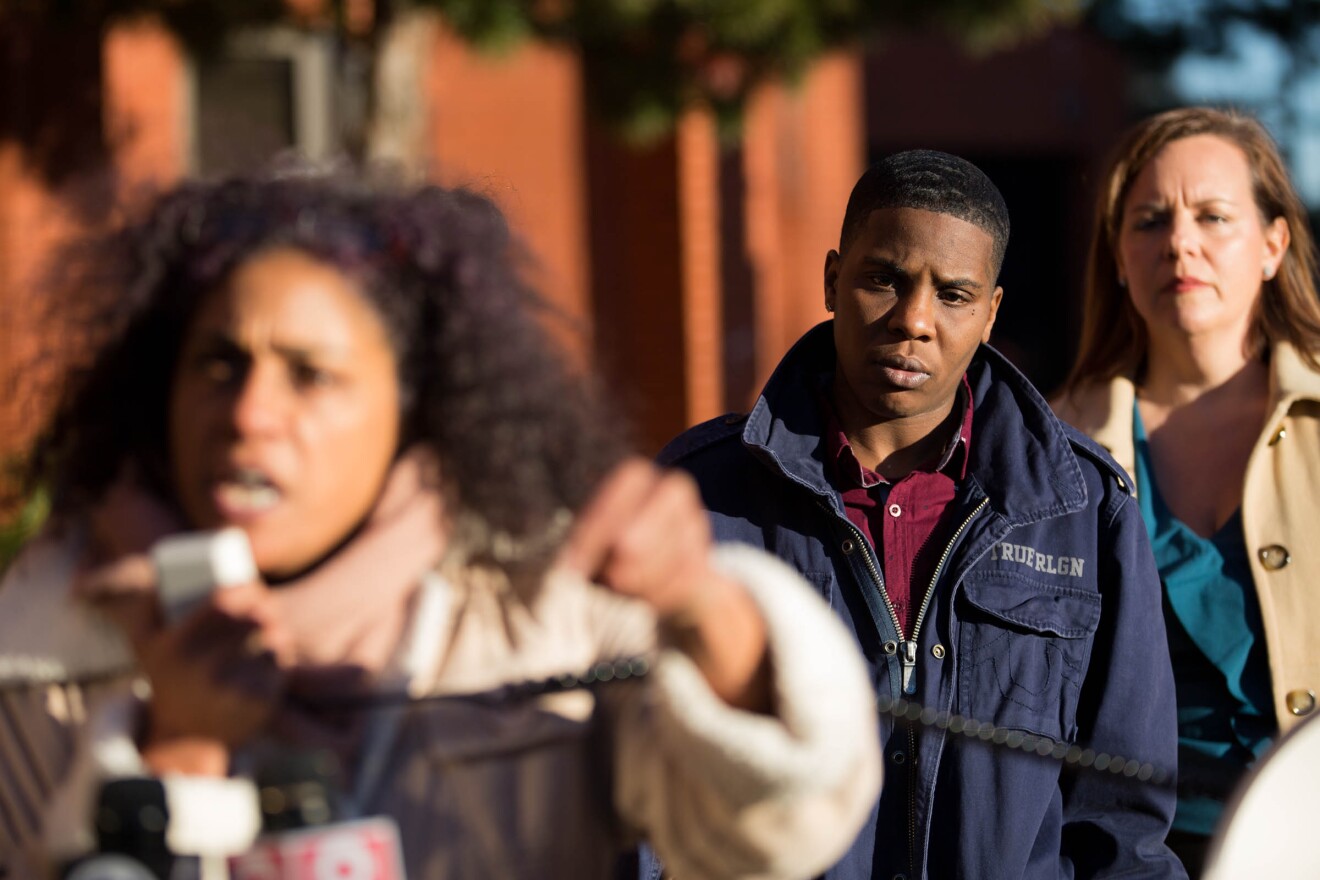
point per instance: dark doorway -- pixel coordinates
(1042, 276)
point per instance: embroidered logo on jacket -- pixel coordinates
(1069, 566)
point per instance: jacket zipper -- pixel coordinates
(869, 556)
(908, 653)
(908, 657)
(910, 647)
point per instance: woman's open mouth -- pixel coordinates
(244, 493)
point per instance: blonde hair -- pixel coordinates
(1114, 340)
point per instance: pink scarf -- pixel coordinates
(352, 609)
(349, 610)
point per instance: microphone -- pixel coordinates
(168, 828)
(306, 833)
(285, 824)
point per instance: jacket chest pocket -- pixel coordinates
(1024, 647)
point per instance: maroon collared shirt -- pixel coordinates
(905, 521)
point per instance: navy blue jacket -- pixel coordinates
(1044, 617)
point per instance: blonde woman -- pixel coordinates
(1199, 369)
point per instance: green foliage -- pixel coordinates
(502, 24)
(16, 532)
(645, 59)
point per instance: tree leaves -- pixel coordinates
(645, 60)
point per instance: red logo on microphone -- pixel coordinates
(365, 849)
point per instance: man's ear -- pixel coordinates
(995, 299)
(831, 278)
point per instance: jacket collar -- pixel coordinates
(1020, 458)
(1290, 378)
(1103, 410)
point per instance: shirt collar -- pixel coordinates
(844, 465)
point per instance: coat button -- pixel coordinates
(1274, 556)
(848, 545)
(937, 651)
(900, 757)
(891, 647)
(1301, 702)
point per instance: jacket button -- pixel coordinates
(938, 652)
(1301, 702)
(848, 545)
(900, 757)
(1274, 556)
(1279, 433)
(891, 647)
(900, 877)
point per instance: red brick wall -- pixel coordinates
(628, 241)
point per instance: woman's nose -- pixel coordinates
(261, 402)
(1183, 237)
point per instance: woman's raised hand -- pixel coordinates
(218, 675)
(646, 534)
(218, 678)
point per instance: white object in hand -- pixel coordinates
(190, 565)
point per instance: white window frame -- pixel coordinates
(312, 59)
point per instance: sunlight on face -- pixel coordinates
(913, 296)
(1193, 247)
(284, 410)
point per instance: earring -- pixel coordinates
(1269, 272)
(1122, 282)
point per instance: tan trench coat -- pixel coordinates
(1280, 514)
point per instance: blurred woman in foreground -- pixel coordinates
(356, 378)
(1198, 369)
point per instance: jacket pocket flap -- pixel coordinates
(1034, 605)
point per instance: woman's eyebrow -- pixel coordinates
(1157, 206)
(311, 351)
(219, 340)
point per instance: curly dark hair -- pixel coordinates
(520, 434)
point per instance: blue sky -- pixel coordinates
(1258, 72)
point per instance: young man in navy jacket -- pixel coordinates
(990, 560)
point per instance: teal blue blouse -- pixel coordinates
(1217, 642)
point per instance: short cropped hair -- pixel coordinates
(929, 181)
